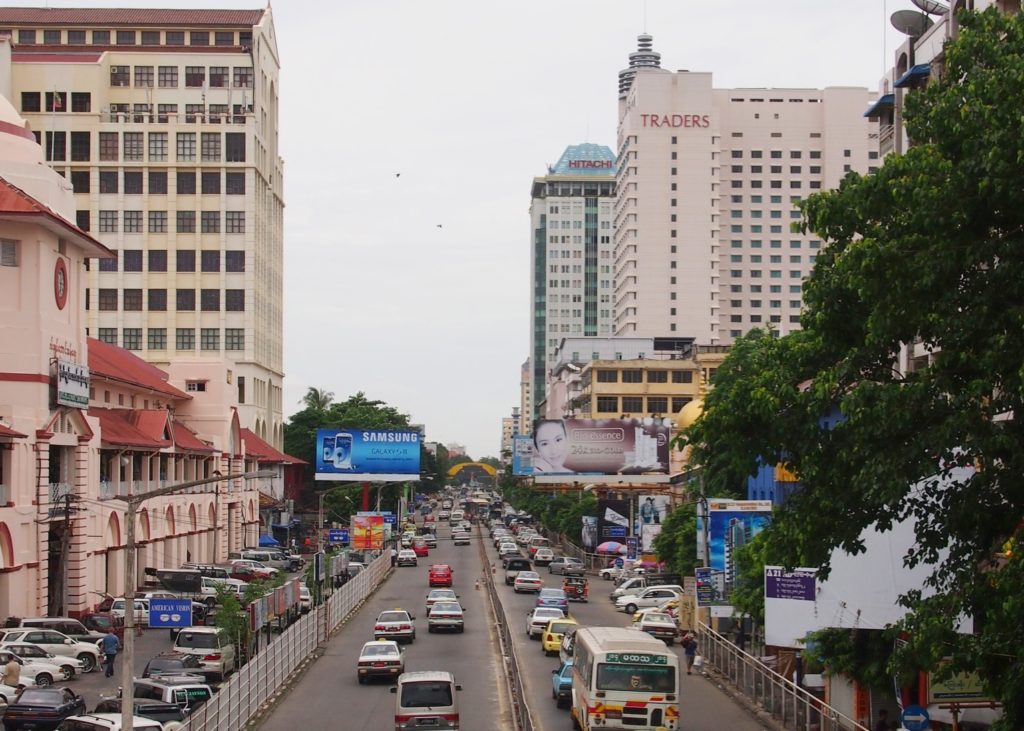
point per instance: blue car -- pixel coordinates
(561, 684)
(553, 598)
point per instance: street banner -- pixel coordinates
(522, 455)
(170, 612)
(588, 533)
(367, 455)
(612, 520)
(647, 535)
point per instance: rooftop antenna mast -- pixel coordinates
(645, 16)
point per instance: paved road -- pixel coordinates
(703, 706)
(329, 695)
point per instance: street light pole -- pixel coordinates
(131, 508)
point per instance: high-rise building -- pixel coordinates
(571, 214)
(166, 124)
(707, 185)
(525, 399)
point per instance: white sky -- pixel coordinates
(469, 101)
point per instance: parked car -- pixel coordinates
(171, 662)
(57, 643)
(440, 574)
(185, 691)
(103, 622)
(538, 618)
(141, 611)
(527, 581)
(168, 715)
(305, 599)
(406, 557)
(446, 615)
(40, 673)
(553, 598)
(543, 556)
(636, 584)
(73, 628)
(70, 666)
(561, 684)
(42, 709)
(551, 638)
(567, 566)
(261, 571)
(395, 624)
(215, 650)
(654, 596)
(380, 658)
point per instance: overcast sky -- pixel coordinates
(468, 101)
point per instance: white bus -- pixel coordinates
(624, 679)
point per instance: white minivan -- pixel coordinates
(426, 699)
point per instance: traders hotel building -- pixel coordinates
(706, 188)
(166, 124)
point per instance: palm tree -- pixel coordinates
(317, 399)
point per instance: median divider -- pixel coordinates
(513, 677)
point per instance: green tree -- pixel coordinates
(676, 545)
(927, 251)
(317, 399)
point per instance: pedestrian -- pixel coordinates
(882, 724)
(689, 651)
(394, 557)
(110, 646)
(741, 636)
(12, 672)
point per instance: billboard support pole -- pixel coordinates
(320, 525)
(366, 496)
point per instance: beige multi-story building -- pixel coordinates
(166, 124)
(525, 398)
(570, 256)
(707, 184)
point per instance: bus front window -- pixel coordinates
(654, 679)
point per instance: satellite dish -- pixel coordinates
(932, 7)
(911, 23)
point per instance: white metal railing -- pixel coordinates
(241, 697)
(791, 706)
(108, 490)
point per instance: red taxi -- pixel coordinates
(440, 574)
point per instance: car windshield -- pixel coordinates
(202, 640)
(560, 627)
(393, 617)
(100, 622)
(442, 594)
(529, 575)
(446, 607)
(552, 594)
(573, 562)
(546, 614)
(426, 694)
(657, 617)
(379, 650)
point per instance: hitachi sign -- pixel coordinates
(591, 164)
(675, 120)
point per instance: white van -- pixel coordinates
(426, 699)
(457, 516)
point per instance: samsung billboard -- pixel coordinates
(373, 455)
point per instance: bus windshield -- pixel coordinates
(622, 676)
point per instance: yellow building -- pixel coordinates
(166, 124)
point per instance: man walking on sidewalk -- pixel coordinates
(110, 646)
(689, 651)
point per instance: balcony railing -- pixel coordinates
(58, 490)
(5, 494)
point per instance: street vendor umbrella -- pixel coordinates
(611, 547)
(268, 541)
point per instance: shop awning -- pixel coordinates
(884, 104)
(269, 541)
(6, 431)
(124, 428)
(914, 76)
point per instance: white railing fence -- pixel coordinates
(245, 692)
(791, 706)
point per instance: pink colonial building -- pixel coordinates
(83, 422)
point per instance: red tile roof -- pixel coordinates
(6, 431)
(99, 17)
(17, 205)
(124, 428)
(121, 365)
(185, 438)
(263, 452)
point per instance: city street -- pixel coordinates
(329, 689)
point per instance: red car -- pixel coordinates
(440, 574)
(421, 548)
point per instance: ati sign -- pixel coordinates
(675, 120)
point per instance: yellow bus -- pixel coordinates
(624, 679)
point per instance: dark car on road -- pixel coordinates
(566, 565)
(42, 709)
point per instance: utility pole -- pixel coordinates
(320, 525)
(131, 508)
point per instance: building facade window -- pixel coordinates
(158, 225)
(607, 404)
(234, 183)
(133, 225)
(156, 300)
(209, 338)
(158, 182)
(210, 261)
(156, 338)
(195, 76)
(211, 146)
(131, 338)
(210, 222)
(108, 224)
(234, 339)
(107, 300)
(157, 146)
(185, 300)
(234, 300)
(210, 182)
(120, 75)
(186, 146)
(167, 77)
(632, 404)
(144, 77)
(185, 260)
(235, 222)
(186, 222)
(234, 260)
(185, 338)
(107, 335)
(210, 300)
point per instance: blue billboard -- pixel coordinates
(522, 455)
(170, 612)
(371, 455)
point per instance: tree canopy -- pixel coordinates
(927, 253)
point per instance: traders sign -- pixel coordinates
(72, 384)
